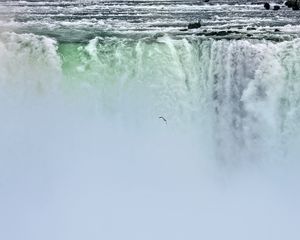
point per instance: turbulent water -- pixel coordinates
(85, 153)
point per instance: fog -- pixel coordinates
(66, 173)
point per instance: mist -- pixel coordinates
(66, 174)
(84, 154)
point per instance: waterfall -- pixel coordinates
(84, 153)
(245, 91)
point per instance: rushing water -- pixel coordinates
(84, 153)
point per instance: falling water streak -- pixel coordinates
(246, 91)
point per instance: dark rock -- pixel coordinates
(206, 0)
(276, 7)
(194, 25)
(251, 28)
(288, 4)
(294, 4)
(183, 30)
(276, 30)
(158, 35)
(267, 6)
(233, 32)
(221, 33)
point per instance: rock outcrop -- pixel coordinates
(194, 25)
(294, 4)
(267, 6)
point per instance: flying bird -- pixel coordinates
(162, 118)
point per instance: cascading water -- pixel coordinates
(246, 90)
(84, 150)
